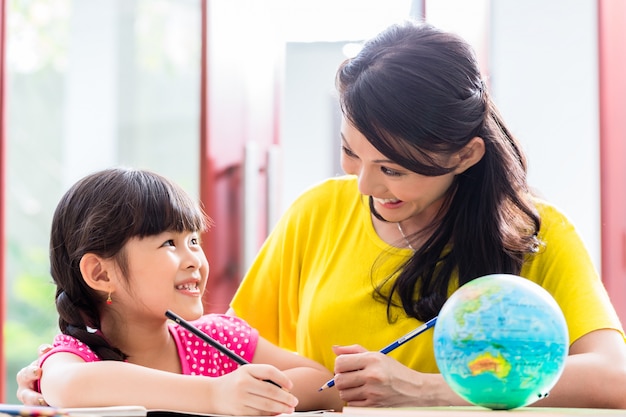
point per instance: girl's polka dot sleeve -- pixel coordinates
(65, 343)
(203, 359)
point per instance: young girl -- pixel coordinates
(124, 248)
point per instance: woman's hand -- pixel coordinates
(372, 379)
(26, 379)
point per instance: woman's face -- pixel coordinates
(398, 194)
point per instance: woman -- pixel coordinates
(436, 196)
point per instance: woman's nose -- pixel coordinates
(367, 182)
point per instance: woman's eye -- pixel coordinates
(348, 152)
(390, 172)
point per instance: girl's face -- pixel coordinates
(398, 194)
(166, 271)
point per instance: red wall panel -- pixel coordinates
(2, 198)
(238, 109)
(612, 85)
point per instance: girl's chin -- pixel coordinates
(190, 312)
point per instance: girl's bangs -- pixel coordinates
(167, 208)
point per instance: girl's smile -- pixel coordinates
(168, 270)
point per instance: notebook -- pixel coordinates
(11, 410)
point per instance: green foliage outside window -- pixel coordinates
(31, 317)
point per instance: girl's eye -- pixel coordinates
(195, 241)
(348, 152)
(390, 172)
(169, 242)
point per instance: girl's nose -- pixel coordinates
(194, 257)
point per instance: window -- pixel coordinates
(90, 84)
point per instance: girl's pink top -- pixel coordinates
(196, 356)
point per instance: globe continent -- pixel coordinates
(501, 341)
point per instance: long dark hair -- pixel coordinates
(415, 91)
(99, 214)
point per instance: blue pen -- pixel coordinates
(410, 335)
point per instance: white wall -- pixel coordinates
(543, 63)
(309, 139)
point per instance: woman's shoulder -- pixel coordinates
(339, 187)
(341, 191)
(550, 214)
(556, 226)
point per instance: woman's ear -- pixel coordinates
(470, 154)
(95, 272)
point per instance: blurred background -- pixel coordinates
(235, 101)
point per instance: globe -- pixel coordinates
(501, 341)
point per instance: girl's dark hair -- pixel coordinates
(415, 91)
(99, 214)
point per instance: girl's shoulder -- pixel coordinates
(219, 322)
(221, 327)
(65, 343)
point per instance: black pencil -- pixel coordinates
(217, 345)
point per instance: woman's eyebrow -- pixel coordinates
(376, 161)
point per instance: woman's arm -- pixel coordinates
(594, 377)
(372, 379)
(68, 381)
(307, 376)
(594, 374)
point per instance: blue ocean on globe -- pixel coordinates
(501, 341)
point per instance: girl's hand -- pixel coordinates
(247, 392)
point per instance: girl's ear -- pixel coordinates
(95, 272)
(470, 154)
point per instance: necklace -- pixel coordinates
(408, 242)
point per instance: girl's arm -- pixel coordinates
(68, 381)
(307, 376)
